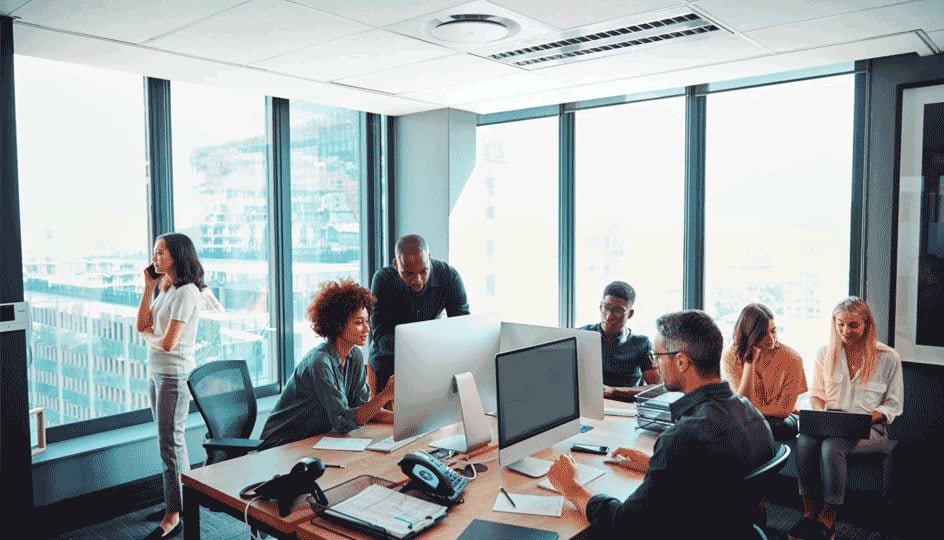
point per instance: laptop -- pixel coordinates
(842, 424)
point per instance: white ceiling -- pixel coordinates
(376, 55)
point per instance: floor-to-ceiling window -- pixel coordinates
(84, 210)
(778, 176)
(629, 207)
(503, 229)
(326, 206)
(219, 150)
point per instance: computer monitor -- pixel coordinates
(538, 402)
(589, 358)
(429, 355)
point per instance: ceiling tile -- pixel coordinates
(133, 21)
(363, 53)
(7, 7)
(564, 14)
(852, 26)
(745, 16)
(938, 38)
(436, 73)
(495, 87)
(52, 45)
(847, 52)
(672, 57)
(257, 30)
(380, 12)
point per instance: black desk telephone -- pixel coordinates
(432, 477)
(286, 488)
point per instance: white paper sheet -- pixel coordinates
(337, 443)
(585, 473)
(389, 445)
(538, 505)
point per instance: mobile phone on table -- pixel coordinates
(590, 448)
(153, 272)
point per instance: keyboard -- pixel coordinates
(619, 411)
(585, 474)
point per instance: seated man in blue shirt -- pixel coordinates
(414, 288)
(626, 365)
(328, 390)
(692, 484)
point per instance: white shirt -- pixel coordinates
(883, 393)
(182, 305)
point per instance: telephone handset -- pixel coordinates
(432, 477)
(286, 488)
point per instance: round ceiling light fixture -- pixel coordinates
(472, 28)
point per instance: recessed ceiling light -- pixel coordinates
(472, 28)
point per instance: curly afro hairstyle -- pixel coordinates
(333, 305)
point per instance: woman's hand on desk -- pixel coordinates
(631, 459)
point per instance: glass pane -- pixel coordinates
(503, 229)
(778, 204)
(221, 203)
(326, 205)
(630, 182)
(83, 199)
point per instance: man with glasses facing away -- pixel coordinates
(626, 366)
(691, 487)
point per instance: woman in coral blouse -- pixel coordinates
(765, 371)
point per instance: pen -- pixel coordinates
(507, 496)
(333, 466)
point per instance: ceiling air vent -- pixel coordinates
(597, 41)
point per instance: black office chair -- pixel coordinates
(754, 485)
(223, 394)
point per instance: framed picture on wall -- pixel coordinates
(919, 282)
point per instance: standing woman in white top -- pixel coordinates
(854, 373)
(168, 323)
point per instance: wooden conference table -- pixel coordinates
(217, 486)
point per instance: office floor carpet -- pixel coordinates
(219, 526)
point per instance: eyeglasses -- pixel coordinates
(619, 311)
(653, 356)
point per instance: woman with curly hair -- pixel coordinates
(765, 371)
(854, 373)
(328, 391)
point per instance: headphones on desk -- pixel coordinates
(286, 488)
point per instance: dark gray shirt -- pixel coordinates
(697, 466)
(398, 304)
(624, 358)
(320, 397)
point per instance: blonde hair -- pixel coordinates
(871, 346)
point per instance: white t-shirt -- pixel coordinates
(182, 305)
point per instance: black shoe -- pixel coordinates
(156, 516)
(800, 528)
(159, 533)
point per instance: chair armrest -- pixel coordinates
(232, 443)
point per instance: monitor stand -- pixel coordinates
(531, 466)
(476, 432)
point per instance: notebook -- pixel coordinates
(482, 528)
(386, 512)
(835, 424)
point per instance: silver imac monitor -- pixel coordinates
(589, 358)
(428, 395)
(538, 402)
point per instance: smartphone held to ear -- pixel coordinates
(152, 272)
(589, 448)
